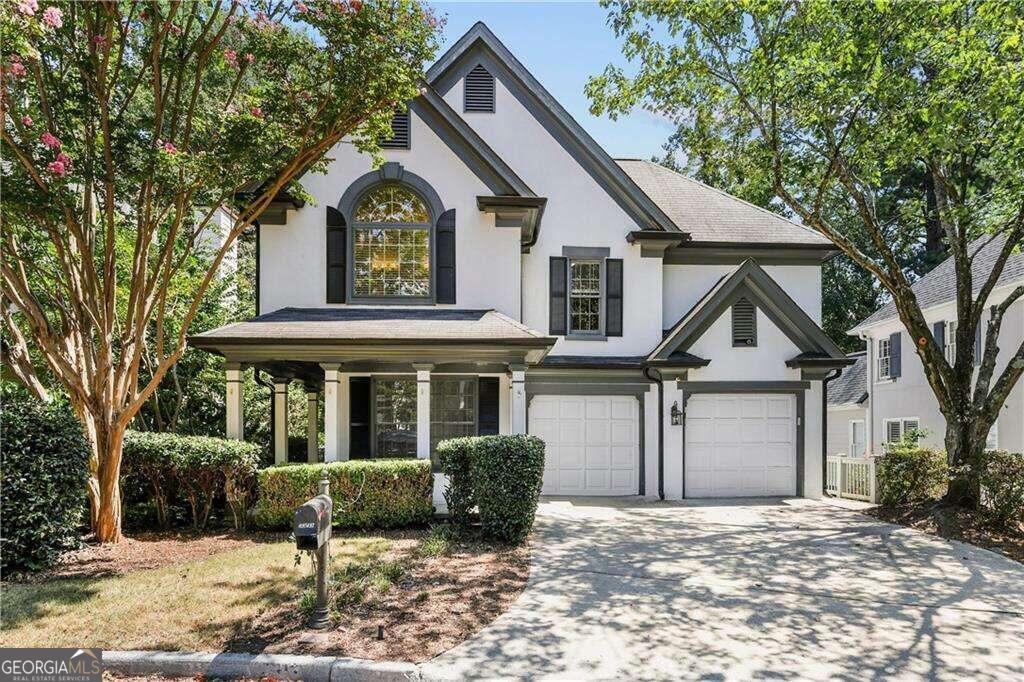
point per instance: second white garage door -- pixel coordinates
(740, 445)
(592, 443)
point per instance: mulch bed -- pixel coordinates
(147, 550)
(438, 603)
(954, 524)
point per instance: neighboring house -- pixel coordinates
(500, 273)
(847, 410)
(899, 397)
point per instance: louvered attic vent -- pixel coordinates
(744, 323)
(399, 132)
(479, 91)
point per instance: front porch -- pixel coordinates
(394, 382)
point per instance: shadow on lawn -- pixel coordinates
(28, 602)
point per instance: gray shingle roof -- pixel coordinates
(594, 361)
(711, 215)
(389, 325)
(851, 385)
(939, 285)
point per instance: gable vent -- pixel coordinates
(399, 132)
(744, 323)
(478, 93)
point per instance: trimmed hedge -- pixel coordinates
(501, 476)
(911, 474)
(373, 493)
(1002, 488)
(197, 468)
(43, 476)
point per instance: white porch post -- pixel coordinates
(312, 422)
(422, 409)
(335, 415)
(234, 428)
(280, 420)
(518, 398)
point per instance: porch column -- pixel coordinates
(312, 422)
(335, 415)
(422, 409)
(518, 398)
(281, 420)
(234, 429)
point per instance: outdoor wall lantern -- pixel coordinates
(677, 415)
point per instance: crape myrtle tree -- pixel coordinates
(125, 126)
(821, 101)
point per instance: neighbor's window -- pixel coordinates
(585, 297)
(883, 358)
(452, 410)
(391, 244)
(858, 438)
(951, 341)
(395, 418)
(898, 429)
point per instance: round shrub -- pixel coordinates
(43, 475)
(1002, 488)
(455, 456)
(507, 475)
(909, 474)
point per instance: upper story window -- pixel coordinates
(744, 324)
(391, 246)
(950, 341)
(884, 357)
(585, 297)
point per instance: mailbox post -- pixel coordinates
(313, 533)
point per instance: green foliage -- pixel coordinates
(908, 474)
(439, 542)
(383, 493)
(507, 474)
(199, 467)
(455, 455)
(1002, 486)
(43, 478)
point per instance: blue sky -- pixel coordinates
(563, 44)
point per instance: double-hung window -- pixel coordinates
(391, 245)
(585, 297)
(858, 438)
(951, 341)
(884, 358)
(898, 429)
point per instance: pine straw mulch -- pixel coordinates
(437, 603)
(954, 523)
(147, 550)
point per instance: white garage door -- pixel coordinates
(592, 443)
(740, 445)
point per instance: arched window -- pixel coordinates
(391, 244)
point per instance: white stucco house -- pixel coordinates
(896, 394)
(500, 273)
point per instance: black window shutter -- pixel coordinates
(360, 421)
(487, 406)
(337, 242)
(895, 355)
(744, 324)
(478, 90)
(559, 273)
(613, 297)
(446, 257)
(979, 348)
(939, 332)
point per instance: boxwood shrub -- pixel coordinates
(507, 475)
(380, 493)
(455, 456)
(1002, 488)
(43, 476)
(909, 474)
(196, 467)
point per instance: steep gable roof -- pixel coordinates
(711, 215)
(750, 281)
(480, 46)
(850, 387)
(939, 285)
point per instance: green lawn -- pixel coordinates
(197, 605)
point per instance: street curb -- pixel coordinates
(278, 666)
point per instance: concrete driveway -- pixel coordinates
(745, 590)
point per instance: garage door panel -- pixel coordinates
(591, 443)
(740, 445)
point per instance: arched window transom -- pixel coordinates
(391, 244)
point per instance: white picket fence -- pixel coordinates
(851, 477)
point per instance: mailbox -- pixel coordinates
(313, 523)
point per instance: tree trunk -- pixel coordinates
(965, 445)
(106, 516)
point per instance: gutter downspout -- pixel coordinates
(661, 430)
(834, 374)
